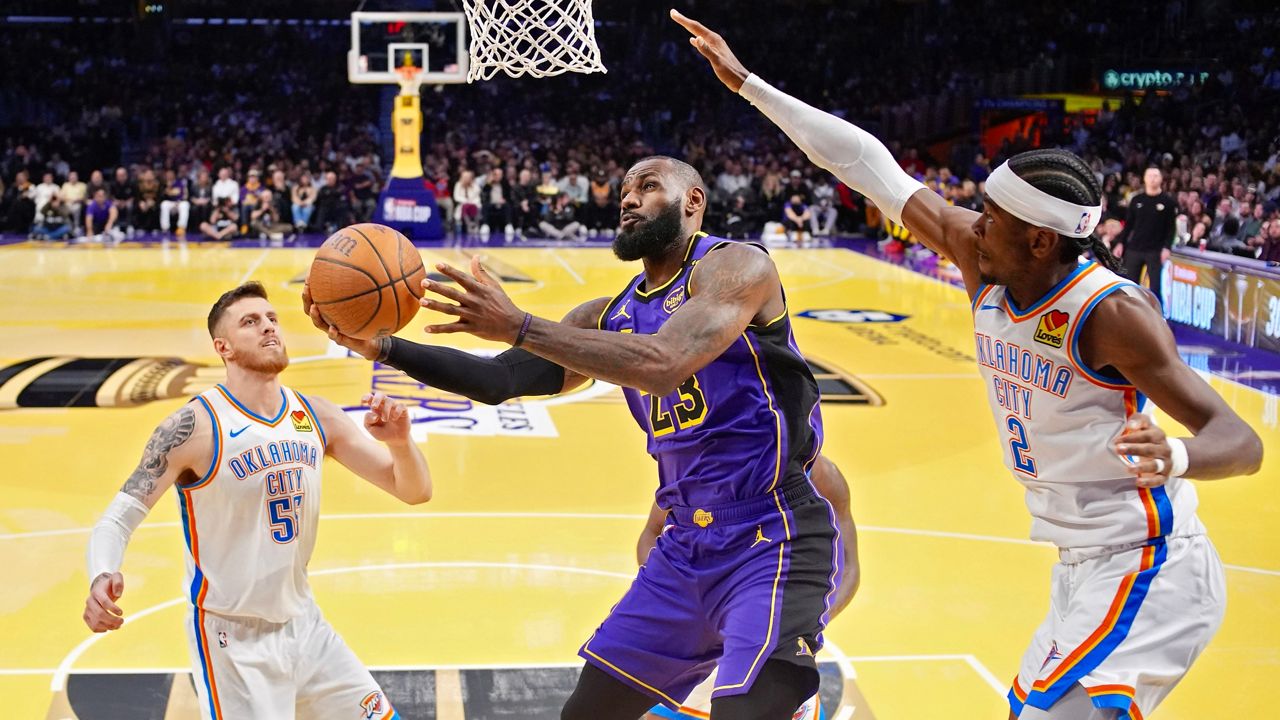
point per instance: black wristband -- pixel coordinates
(524, 330)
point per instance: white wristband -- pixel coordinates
(1177, 457)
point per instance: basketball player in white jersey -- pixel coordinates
(1067, 350)
(830, 484)
(245, 458)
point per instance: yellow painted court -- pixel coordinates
(530, 538)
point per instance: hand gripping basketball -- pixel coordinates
(713, 47)
(482, 308)
(367, 349)
(1145, 440)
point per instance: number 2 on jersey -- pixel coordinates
(690, 411)
(1019, 446)
(286, 516)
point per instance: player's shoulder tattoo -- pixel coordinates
(175, 431)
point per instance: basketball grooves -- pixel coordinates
(385, 269)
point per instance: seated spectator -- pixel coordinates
(147, 204)
(55, 220)
(822, 220)
(795, 215)
(201, 199)
(282, 196)
(96, 183)
(225, 187)
(73, 194)
(123, 195)
(525, 194)
(466, 202)
(561, 222)
(1269, 249)
(575, 185)
(223, 221)
(333, 209)
(741, 221)
(250, 198)
(303, 203)
(20, 202)
(175, 198)
(496, 203)
(601, 211)
(100, 217)
(364, 191)
(45, 192)
(265, 219)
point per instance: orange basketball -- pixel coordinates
(367, 279)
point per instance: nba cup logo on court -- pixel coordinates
(1052, 328)
(702, 518)
(372, 705)
(674, 300)
(301, 422)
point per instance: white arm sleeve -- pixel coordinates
(111, 535)
(850, 153)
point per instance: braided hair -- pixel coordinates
(1063, 175)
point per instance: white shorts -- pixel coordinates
(1124, 624)
(698, 705)
(248, 669)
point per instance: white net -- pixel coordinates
(531, 37)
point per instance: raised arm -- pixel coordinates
(1128, 334)
(851, 154)
(730, 288)
(390, 460)
(179, 449)
(514, 373)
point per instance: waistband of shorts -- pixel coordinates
(740, 511)
(1073, 556)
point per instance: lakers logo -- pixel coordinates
(373, 705)
(674, 300)
(702, 518)
(1052, 328)
(301, 422)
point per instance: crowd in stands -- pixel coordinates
(112, 131)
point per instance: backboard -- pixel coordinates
(381, 42)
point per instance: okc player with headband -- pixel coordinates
(246, 459)
(1067, 350)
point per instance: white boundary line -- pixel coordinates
(604, 516)
(555, 253)
(254, 267)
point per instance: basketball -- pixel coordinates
(366, 279)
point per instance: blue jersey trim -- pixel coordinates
(284, 405)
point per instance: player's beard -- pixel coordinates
(264, 361)
(649, 238)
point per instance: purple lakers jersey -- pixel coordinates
(743, 426)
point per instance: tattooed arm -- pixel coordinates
(179, 448)
(731, 288)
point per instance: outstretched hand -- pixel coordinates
(713, 47)
(387, 420)
(482, 307)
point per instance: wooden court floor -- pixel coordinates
(530, 537)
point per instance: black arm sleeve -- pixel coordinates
(514, 373)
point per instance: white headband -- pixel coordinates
(1025, 202)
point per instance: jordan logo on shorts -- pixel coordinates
(1054, 654)
(804, 648)
(760, 536)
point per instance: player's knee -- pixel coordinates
(778, 690)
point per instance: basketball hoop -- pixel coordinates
(534, 37)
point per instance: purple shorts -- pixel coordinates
(731, 586)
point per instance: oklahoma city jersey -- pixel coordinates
(1058, 419)
(250, 521)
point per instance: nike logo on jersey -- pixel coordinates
(990, 307)
(237, 432)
